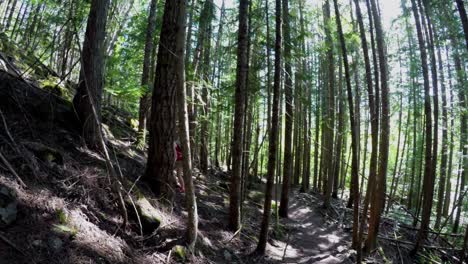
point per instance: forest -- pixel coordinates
(233, 131)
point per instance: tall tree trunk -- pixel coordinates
(378, 199)
(443, 162)
(288, 92)
(145, 99)
(463, 105)
(316, 141)
(339, 134)
(374, 124)
(330, 118)
(178, 19)
(435, 90)
(204, 135)
(428, 181)
(91, 74)
(272, 147)
(452, 123)
(168, 78)
(354, 136)
(241, 83)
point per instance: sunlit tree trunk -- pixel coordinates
(444, 151)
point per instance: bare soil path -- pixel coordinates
(311, 239)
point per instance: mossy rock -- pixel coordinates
(64, 228)
(55, 86)
(150, 217)
(180, 252)
(66, 231)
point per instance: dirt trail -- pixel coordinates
(311, 239)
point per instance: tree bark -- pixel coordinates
(374, 124)
(272, 147)
(428, 182)
(162, 127)
(378, 198)
(241, 77)
(288, 92)
(205, 23)
(91, 74)
(354, 136)
(443, 162)
(191, 203)
(328, 130)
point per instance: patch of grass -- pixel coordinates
(62, 217)
(66, 230)
(180, 252)
(64, 227)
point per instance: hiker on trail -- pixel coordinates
(179, 166)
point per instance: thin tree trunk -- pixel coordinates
(443, 162)
(374, 125)
(339, 134)
(145, 99)
(378, 199)
(263, 237)
(204, 134)
(452, 123)
(428, 181)
(241, 89)
(354, 136)
(178, 10)
(397, 155)
(330, 121)
(288, 92)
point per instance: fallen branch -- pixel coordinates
(287, 244)
(413, 244)
(235, 234)
(12, 170)
(169, 256)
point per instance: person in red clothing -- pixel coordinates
(179, 166)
